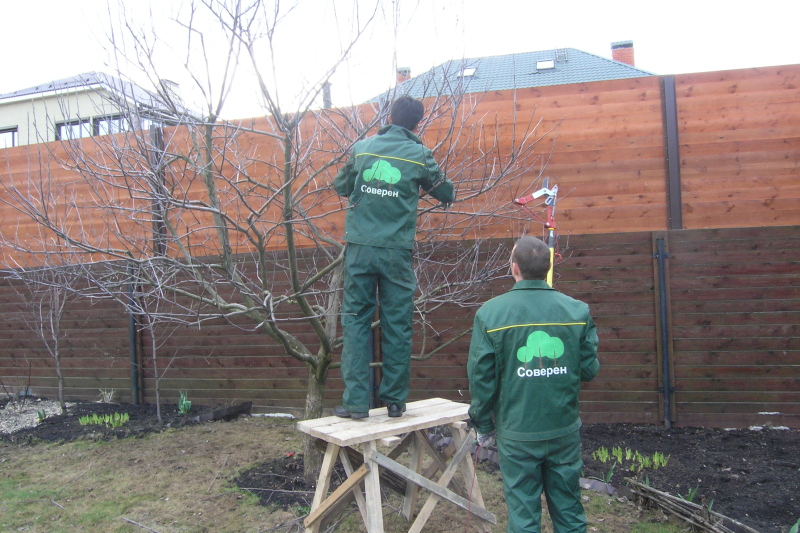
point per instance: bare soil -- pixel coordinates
(751, 475)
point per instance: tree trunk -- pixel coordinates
(312, 456)
(156, 376)
(60, 376)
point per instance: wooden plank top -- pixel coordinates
(419, 415)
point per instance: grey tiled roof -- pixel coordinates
(88, 79)
(497, 73)
(154, 105)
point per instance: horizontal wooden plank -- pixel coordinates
(741, 407)
(753, 358)
(764, 396)
(736, 344)
(735, 420)
(732, 385)
(738, 317)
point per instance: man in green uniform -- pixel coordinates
(531, 348)
(382, 180)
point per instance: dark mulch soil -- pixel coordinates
(751, 476)
(143, 420)
(279, 482)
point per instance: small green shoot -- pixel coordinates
(184, 405)
(617, 453)
(631, 460)
(607, 477)
(601, 455)
(41, 414)
(660, 460)
(114, 420)
(796, 527)
(691, 494)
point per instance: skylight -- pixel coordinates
(545, 64)
(469, 71)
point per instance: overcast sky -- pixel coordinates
(44, 40)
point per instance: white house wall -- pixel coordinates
(35, 116)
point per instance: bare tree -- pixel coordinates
(239, 220)
(45, 291)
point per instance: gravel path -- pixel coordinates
(23, 413)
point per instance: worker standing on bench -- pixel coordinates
(382, 180)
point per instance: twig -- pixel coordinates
(140, 525)
(10, 397)
(700, 517)
(220, 495)
(218, 473)
(67, 485)
(281, 491)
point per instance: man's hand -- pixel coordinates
(486, 440)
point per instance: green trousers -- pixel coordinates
(371, 273)
(550, 465)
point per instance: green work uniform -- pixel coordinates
(531, 348)
(382, 180)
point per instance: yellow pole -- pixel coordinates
(551, 244)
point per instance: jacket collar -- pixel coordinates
(393, 129)
(531, 284)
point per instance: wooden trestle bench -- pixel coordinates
(403, 433)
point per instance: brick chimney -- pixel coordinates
(403, 74)
(622, 51)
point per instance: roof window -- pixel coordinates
(545, 64)
(469, 71)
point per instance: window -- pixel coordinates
(469, 71)
(8, 137)
(108, 125)
(545, 64)
(74, 129)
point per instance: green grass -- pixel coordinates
(179, 481)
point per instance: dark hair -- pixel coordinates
(532, 256)
(407, 112)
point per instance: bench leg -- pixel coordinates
(323, 482)
(372, 487)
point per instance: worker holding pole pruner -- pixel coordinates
(550, 223)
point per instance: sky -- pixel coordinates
(45, 40)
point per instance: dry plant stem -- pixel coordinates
(67, 485)
(699, 517)
(10, 396)
(281, 491)
(140, 525)
(218, 473)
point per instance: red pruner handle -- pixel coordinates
(524, 200)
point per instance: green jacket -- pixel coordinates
(531, 348)
(382, 179)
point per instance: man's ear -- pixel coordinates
(515, 272)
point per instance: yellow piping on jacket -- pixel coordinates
(544, 324)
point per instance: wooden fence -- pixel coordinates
(733, 309)
(722, 194)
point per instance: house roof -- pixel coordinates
(153, 104)
(85, 80)
(516, 71)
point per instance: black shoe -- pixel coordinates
(395, 410)
(341, 412)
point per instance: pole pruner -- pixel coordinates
(549, 224)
